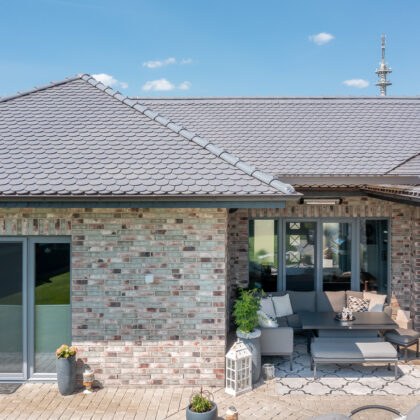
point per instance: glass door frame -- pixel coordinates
(19, 377)
(34, 376)
(355, 247)
(28, 302)
(318, 246)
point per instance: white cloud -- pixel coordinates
(357, 83)
(158, 85)
(321, 38)
(185, 85)
(154, 64)
(159, 63)
(108, 80)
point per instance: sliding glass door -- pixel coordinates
(35, 315)
(336, 256)
(13, 353)
(50, 302)
(300, 255)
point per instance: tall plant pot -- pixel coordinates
(252, 341)
(208, 415)
(66, 374)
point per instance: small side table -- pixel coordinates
(405, 338)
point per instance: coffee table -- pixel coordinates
(363, 321)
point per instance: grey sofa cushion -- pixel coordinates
(294, 321)
(282, 321)
(402, 336)
(333, 350)
(302, 301)
(330, 301)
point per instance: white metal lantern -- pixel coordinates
(238, 369)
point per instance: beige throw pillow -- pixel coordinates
(282, 306)
(376, 302)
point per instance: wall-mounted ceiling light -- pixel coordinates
(322, 201)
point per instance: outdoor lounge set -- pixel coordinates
(366, 338)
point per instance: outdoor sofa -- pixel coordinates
(315, 302)
(278, 341)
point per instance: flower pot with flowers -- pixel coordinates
(66, 369)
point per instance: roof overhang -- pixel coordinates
(148, 202)
(349, 180)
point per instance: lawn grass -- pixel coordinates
(56, 291)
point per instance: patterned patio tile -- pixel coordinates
(333, 379)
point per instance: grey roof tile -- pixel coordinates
(79, 137)
(307, 136)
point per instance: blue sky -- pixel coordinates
(211, 48)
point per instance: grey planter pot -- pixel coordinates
(252, 341)
(208, 415)
(66, 375)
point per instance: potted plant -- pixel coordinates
(202, 406)
(246, 320)
(66, 369)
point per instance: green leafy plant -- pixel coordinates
(245, 310)
(200, 402)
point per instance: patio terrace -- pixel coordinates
(43, 402)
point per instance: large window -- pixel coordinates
(319, 254)
(336, 256)
(263, 254)
(300, 255)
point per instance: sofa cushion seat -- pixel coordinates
(333, 350)
(293, 321)
(330, 301)
(402, 336)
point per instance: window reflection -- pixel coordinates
(300, 255)
(336, 256)
(263, 254)
(52, 303)
(374, 255)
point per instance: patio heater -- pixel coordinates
(238, 369)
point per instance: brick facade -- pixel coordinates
(405, 242)
(172, 331)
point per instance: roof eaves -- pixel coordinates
(200, 141)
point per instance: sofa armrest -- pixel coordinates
(388, 310)
(276, 341)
